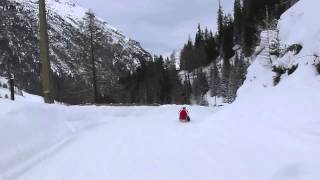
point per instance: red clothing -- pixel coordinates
(183, 115)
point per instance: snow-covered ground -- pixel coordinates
(23, 97)
(269, 133)
(112, 140)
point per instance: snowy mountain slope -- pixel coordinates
(116, 54)
(70, 11)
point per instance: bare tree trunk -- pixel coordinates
(11, 83)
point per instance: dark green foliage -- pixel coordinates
(201, 53)
(227, 42)
(5, 86)
(214, 81)
(187, 91)
(254, 15)
(237, 10)
(155, 82)
(318, 67)
(220, 24)
(282, 70)
(187, 57)
(226, 70)
(200, 87)
(292, 69)
(236, 78)
(295, 48)
(211, 48)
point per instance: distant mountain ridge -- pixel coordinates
(117, 54)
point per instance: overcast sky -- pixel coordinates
(161, 26)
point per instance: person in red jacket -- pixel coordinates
(184, 115)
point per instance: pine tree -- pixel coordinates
(228, 42)
(91, 28)
(214, 80)
(200, 56)
(249, 27)
(237, 22)
(200, 87)
(220, 22)
(199, 37)
(187, 57)
(92, 53)
(233, 81)
(226, 69)
(242, 71)
(187, 89)
(175, 88)
(211, 48)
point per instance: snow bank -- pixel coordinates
(300, 25)
(31, 132)
(276, 129)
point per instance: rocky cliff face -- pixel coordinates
(116, 54)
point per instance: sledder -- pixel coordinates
(184, 115)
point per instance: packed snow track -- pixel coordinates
(56, 142)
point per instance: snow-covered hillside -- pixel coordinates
(70, 11)
(116, 54)
(269, 133)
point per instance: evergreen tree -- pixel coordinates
(98, 60)
(241, 71)
(200, 56)
(187, 60)
(228, 43)
(199, 37)
(175, 88)
(212, 50)
(233, 81)
(214, 80)
(220, 21)
(226, 69)
(249, 27)
(91, 29)
(200, 87)
(237, 22)
(187, 90)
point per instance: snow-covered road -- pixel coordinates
(147, 143)
(154, 147)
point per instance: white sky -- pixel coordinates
(161, 26)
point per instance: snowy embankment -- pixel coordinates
(276, 129)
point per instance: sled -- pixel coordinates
(185, 121)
